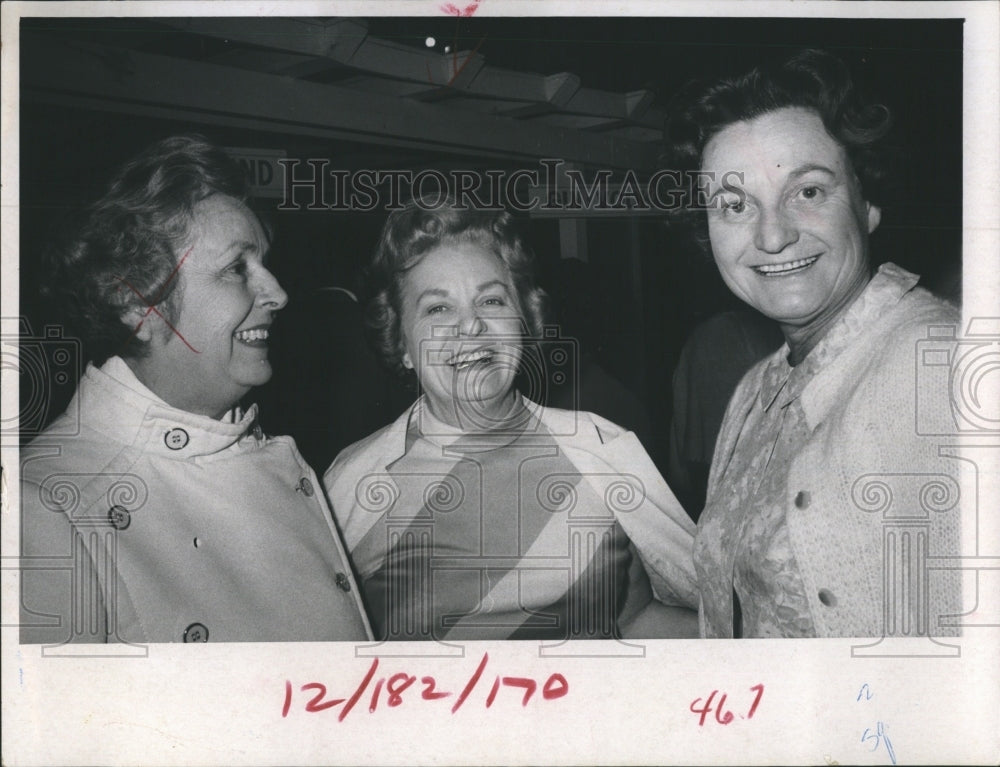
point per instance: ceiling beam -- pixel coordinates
(123, 81)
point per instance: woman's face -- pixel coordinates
(217, 349)
(790, 232)
(461, 327)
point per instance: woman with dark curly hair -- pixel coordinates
(174, 517)
(787, 545)
(480, 514)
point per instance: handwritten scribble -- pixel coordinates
(453, 10)
(152, 304)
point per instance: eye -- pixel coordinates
(437, 309)
(811, 193)
(494, 301)
(239, 268)
(733, 205)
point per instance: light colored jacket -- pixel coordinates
(869, 492)
(152, 524)
(610, 459)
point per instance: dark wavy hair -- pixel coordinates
(410, 233)
(126, 250)
(813, 79)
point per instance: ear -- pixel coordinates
(139, 322)
(874, 216)
(407, 362)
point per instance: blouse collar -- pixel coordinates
(781, 383)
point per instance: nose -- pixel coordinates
(270, 294)
(471, 324)
(774, 232)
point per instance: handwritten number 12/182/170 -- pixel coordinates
(554, 687)
(722, 716)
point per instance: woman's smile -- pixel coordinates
(461, 329)
(786, 268)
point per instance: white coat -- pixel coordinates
(152, 524)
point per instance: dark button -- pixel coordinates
(803, 499)
(175, 439)
(196, 632)
(343, 582)
(305, 487)
(827, 597)
(119, 517)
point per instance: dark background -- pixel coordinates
(913, 66)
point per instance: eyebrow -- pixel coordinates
(796, 173)
(432, 292)
(239, 247)
(489, 284)
(809, 168)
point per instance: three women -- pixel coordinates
(479, 514)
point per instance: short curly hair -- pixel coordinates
(813, 79)
(126, 251)
(414, 230)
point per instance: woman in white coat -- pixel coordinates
(155, 509)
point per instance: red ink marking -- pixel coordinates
(429, 685)
(728, 717)
(397, 684)
(493, 693)
(722, 716)
(760, 693)
(550, 691)
(359, 692)
(317, 704)
(529, 685)
(454, 10)
(396, 690)
(374, 704)
(472, 683)
(152, 304)
(465, 63)
(705, 710)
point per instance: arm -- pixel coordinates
(643, 617)
(61, 597)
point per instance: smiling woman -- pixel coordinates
(169, 515)
(479, 514)
(788, 544)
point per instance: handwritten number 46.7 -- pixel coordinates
(722, 716)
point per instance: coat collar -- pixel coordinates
(557, 422)
(113, 402)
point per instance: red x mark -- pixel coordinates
(152, 305)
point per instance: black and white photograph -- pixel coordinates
(501, 384)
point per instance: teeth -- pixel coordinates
(467, 358)
(788, 266)
(256, 334)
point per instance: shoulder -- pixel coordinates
(580, 424)
(918, 320)
(377, 449)
(69, 448)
